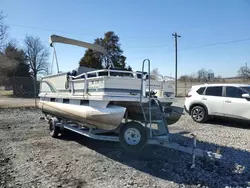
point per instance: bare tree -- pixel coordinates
(218, 78)
(184, 78)
(188, 78)
(193, 77)
(37, 55)
(3, 29)
(244, 72)
(202, 75)
(154, 74)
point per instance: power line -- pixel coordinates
(63, 31)
(48, 29)
(215, 44)
(199, 46)
(157, 46)
(132, 46)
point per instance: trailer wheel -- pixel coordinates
(54, 130)
(133, 137)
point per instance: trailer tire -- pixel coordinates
(54, 130)
(133, 137)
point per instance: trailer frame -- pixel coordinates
(163, 141)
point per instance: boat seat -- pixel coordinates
(80, 70)
(139, 74)
(83, 69)
(121, 74)
(72, 73)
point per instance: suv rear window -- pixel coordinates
(214, 91)
(200, 90)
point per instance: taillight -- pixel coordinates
(188, 95)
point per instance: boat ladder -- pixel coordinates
(153, 113)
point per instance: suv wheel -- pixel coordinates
(199, 114)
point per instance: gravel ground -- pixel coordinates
(29, 157)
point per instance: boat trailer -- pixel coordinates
(57, 127)
(133, 134)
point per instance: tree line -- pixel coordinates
(31, 59)
(27, 61)
(203, 75)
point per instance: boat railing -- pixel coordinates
(92, 75)
(108, 71)
(98, 73)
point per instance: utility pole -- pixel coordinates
(176, 36)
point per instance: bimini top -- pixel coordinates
(59, 39)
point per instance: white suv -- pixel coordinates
(227, 100)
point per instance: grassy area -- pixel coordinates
(6, 93)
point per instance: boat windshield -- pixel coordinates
(246, 88)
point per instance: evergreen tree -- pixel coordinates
(97, 60)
